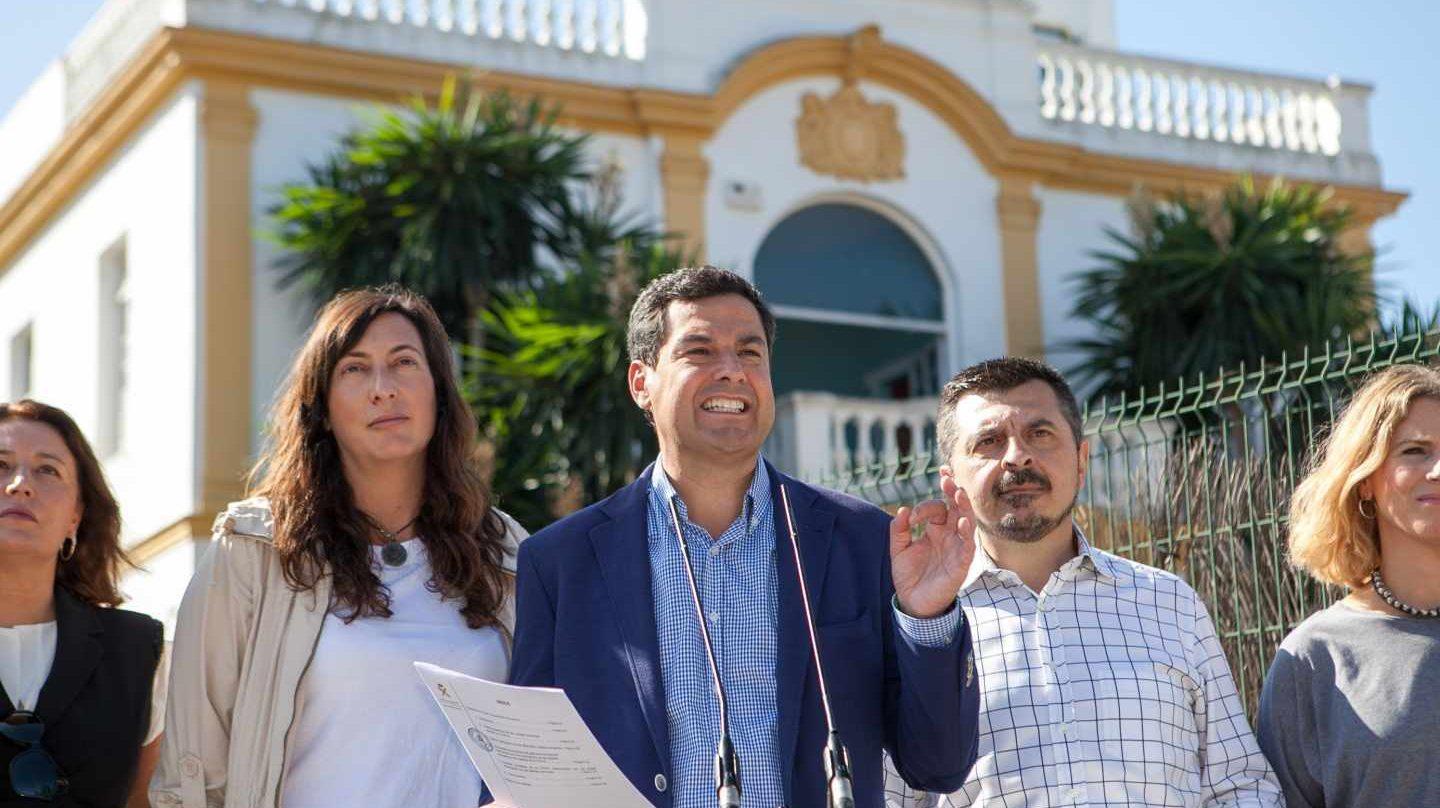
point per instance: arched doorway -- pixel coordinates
(861, 333)
(859, 305)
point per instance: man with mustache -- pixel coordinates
(604, 607)
(1101, 679)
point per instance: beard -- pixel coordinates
(1023, 529)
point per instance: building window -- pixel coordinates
(114, 351)
(22, 351)
(858, 303)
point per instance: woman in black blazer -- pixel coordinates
(79, 708)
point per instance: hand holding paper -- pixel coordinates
(529, 744)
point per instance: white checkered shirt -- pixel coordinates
(1109, 687)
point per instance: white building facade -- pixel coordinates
(909, 181)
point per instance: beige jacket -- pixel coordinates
(242, 643)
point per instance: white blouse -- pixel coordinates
(27, 653)
(366, 730)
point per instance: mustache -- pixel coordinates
(1015, 479)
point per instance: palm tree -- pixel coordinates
(1206, 283)
(1412, 319)
(455, 200)
(552, 392)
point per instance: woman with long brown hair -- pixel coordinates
(371, 542)
(1348, 714)
(81, 682)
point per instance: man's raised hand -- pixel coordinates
(928, 565)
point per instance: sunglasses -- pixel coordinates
(33, 773)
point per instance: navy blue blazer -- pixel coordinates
(585, 622)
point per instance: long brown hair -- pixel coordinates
(93, 573)
(317, 525)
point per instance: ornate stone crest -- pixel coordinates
(849, 137)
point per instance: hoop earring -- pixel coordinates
(1360, 506)
(67, 548)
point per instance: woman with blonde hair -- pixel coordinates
(1350, 714)
(373, 543)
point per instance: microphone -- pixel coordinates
(727, 763)
(841, 788)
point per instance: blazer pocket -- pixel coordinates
(856, 627)
(854, 665)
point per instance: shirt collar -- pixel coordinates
(1102, 564)
(757, 496)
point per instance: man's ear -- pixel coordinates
(638, 376)
(1084, 463)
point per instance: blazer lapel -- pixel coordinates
(812, 527)
(623, 549)
(77, 653)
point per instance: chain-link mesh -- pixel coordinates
(1195, 478)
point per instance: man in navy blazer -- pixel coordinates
(604, 609)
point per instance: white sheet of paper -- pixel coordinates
(529, 743)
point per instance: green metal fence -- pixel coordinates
(1195, 477)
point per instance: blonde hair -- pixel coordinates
(1328, 536)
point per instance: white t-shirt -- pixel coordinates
(366, 731)
(27, 653)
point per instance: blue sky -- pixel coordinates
(1387, 44)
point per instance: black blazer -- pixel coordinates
(95, 703)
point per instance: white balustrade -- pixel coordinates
(612, 28)
(108, 41)
(817, 434)
(1183, 100)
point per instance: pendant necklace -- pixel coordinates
(392, 552)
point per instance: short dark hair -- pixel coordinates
(648, 325)
(999, 376)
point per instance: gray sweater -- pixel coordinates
(1350, 712)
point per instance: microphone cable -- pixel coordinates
(841, 788)
(727, 762)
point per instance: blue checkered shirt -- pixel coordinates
(735, 576)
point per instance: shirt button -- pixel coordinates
(1072, 794)
(1065, 729)
(661, 783)
(714, 617)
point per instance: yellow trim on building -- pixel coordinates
(1018, 212)
(90, 141)
(687, 118)
(186, 528)
(685, 178)
(231, 65)
(227, 125)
